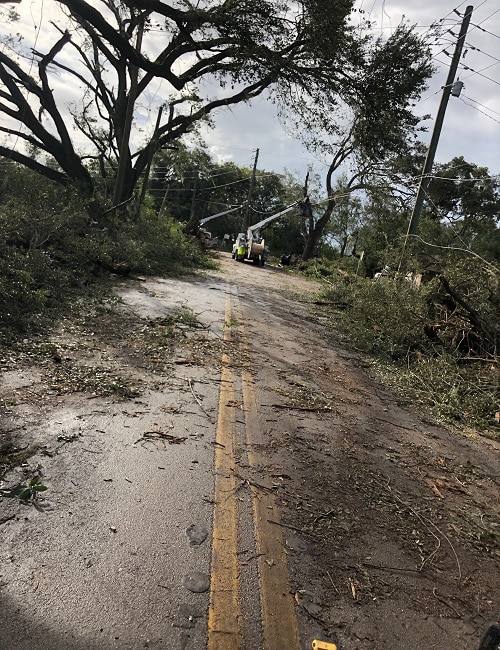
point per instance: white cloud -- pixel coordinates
(467, 130)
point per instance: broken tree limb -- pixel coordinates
(160, 435)
(291, 407)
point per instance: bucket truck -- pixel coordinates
(204, 234)
(250, 245)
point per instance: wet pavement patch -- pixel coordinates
(196, 534)
(309, 601)
(186, 617)
(196, 582)
(294, 543)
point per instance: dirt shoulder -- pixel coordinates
(390, 522)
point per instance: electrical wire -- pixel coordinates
(487, 18)
(479, 72)
(476, 49)
(485, 30)
(480, 111)
(482, 105)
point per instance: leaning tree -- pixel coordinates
(373, 129)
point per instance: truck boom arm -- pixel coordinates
(264, 222)
(219, 214)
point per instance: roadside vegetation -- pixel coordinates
(436, 344)
(51, 253)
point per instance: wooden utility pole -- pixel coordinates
(246, 213)
(429, 161)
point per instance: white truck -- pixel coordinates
(250, 245)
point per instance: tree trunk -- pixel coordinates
(315, 233)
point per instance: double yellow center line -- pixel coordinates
(279, 623)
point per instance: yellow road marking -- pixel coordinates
(278, 609)
(224, 616)
(280, 629)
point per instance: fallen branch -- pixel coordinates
(155, 435)
(445, 602)
(301, 408)
(190, 384)
(299, 530)
(325, 515)
(400, 426)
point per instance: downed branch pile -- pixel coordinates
(437, 343)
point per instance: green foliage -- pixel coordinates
(395, 75)
(466, 196)
(386, 316)
(153, 245)
(27, 491)
(51, 250)
(437, 344)
(456, 392)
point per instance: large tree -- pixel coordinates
(377, 129)
(466, 198)
(209, 55)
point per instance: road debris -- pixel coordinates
(309, 602)
(161, 435)
(197, 534)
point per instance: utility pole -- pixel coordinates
(429, 161)
(246, 213)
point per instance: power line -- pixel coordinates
(485, 30)
(482, 105)
(487, 18)
(478, 109)
(479, 72)
(476, 49)
(479, 6)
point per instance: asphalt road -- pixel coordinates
(237, 502)
(119, 552)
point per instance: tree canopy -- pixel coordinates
(377, 127)
(209, 55)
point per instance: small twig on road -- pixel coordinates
(299, 530)
(445, 602)
(325, 515)
(390, 568)
(400, 426)
(290, 407)
(333, 584)
(190, 384)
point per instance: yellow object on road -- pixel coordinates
(323, 645)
